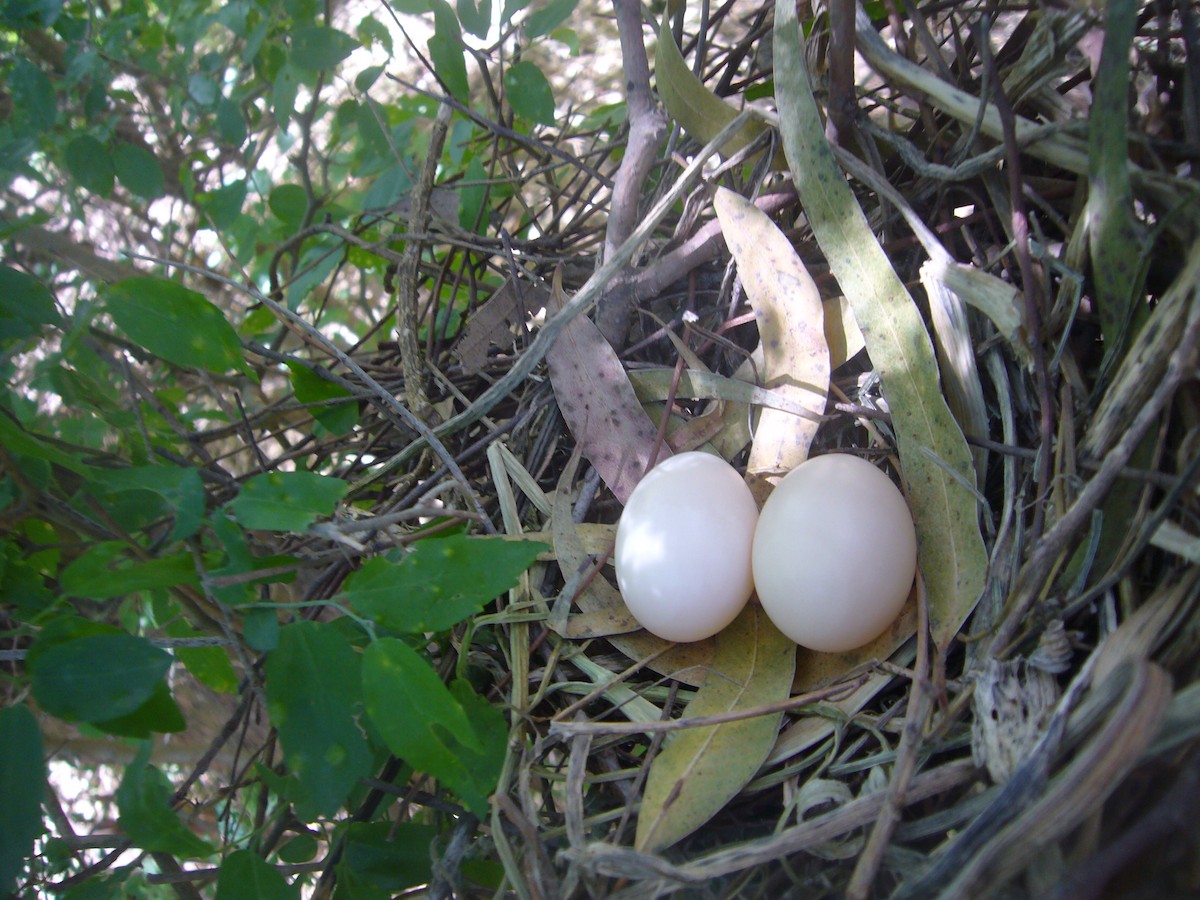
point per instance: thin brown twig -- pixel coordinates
(1029, 287)
(835, 692)
(920, 697)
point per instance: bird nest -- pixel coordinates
(1028, 726)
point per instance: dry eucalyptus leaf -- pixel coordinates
(790, 317)
(492, 323)
(599, 405)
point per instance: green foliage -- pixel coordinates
(314, 690)
(529, 92)
(245, 876)
(174, 323)
(97, 676)
(448, 732)
(439, 582)
(144, 801)
(22, 782)
(286, 501)
(172, 450)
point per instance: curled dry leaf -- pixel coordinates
(492, 323)
(599, 405)
(790, 317)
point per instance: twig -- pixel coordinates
(841, 72)
(1029, 282)
(570, 729)
(406, 293)
(647, 127)
(920, 698)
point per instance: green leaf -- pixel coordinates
(22, 783)
(446, 50)
(19, 441)
(231, 124)
(143, 800)
(393, 856)
(247, 876)
(107, 569)
(299, 849)
(180, 486)
(97, 677)
(90, 164)
(34, 105)
(702, 769)
(511, 8)
(367, 77)
(289, 203)
(158, 715)
(224, 204)
(439, 582)
(260, 628)
(286, 501)
(1117, 239)
(548, 16)
(699, 111)
(283, 94)
(451, 735)
(529, 92)
(138, 169)
(951, 554)
(25, 305)
(312, 388)
(174, 323)
(316, 47)
(211, 666)
(476, 19)
(314, 689)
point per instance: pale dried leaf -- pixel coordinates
(790, 317)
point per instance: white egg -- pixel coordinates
(835, 553)
(683, 547)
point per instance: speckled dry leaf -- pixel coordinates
(598, 403)
(951, 554)
(601, 604)
(492, 322)
(701, 769)
(790, 317)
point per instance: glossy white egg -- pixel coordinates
(683, 547)
(835, 553)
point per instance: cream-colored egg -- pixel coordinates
(835, 553)
(683, 547)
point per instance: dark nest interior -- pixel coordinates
(1040, 740)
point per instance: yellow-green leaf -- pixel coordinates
(933, 451)
(788, 310)
(699, 111)
(701, 769)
